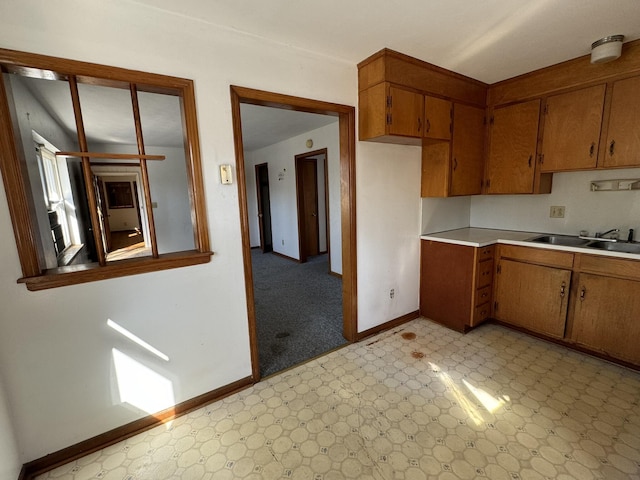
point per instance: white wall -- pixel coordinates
(9, 459)
(282, 190)
(388, 186)
(585, 210)
(55, 347)
(440, 214)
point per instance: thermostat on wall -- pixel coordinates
(225, 174)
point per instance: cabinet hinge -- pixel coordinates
(491, 120)
(388, 119)
(495, 306)
(499, 269)
(389, 101)
(546, 109)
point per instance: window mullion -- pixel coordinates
(143, 168)
(88, 175)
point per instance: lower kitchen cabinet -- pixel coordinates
(534, 297)
(606, 316)
(456, 283)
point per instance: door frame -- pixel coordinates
(261, 208)
(346, 124)
(299, 202)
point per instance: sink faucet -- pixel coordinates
(613, 232)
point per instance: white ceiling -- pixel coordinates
(489, 40)
(262, 126)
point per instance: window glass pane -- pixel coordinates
(161, 118)
(46, 123)
(107, 114)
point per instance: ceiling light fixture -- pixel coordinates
(606, 49)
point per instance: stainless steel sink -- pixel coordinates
(616, 246)
(564, 240)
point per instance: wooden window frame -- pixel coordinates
(17, 186)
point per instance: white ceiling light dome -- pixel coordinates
(606, 49)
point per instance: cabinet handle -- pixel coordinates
(612, 147)
(592, 149)
(583, 292)
(562, 287)
(428, 126)
(455, 163)
(530, 157)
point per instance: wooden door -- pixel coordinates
(103, 216)
(446, 283)
(532, 297)
(264, 207)
(606, 316)
(308, 226)
(406, 109)
(623, 138)
(437, 118)
(467, 162)
(512, 149)
(571, 134)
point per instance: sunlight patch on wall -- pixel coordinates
(140, 386)
(134, 338)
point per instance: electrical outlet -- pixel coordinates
(392, 293)
(556, 212)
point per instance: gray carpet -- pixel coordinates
(298, 310)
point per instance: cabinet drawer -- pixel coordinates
(483, 295)
(481, 313)
(484, 274)
(486, 253)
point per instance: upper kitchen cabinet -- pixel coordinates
(438, 115)
(467, 150)
(403, 100)
(388, 111)
(571, 133)
(453, 168)
(622, 146)
(512, 148)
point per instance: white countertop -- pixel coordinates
(481, 237)
(478, 237)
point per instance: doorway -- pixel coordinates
(264, 207)
(312, 203)
(346, 127)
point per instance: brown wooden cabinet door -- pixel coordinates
(437, 118)
(406, 109)
(623, 138)
(467, 162)
(607, 316)
(512, 149)
(571, 134)
(446, 283)
(372, 112)
(532, 297)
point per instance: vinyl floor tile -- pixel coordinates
(419, 401)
